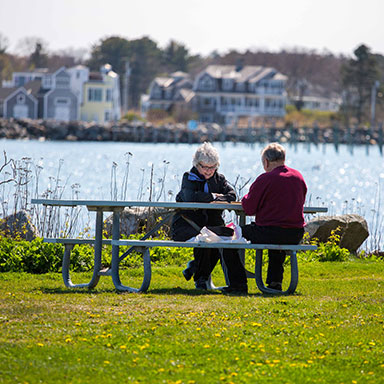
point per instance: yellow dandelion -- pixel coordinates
(256, 324)
(123, 347)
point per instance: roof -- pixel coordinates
(33, 87)
(186, 94)
(250, 73)
(179, 74)
(164, 81)
(5, 92)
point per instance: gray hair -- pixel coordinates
(273, 152)
(207, 154)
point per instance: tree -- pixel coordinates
(358, 76)
(144, 58)
(176, 56)
(38, 58)
(4, 43)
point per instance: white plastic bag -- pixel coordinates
(207, 236)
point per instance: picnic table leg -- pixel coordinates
(259, 276)
(116, 261)
(249, 274)
(97, 258)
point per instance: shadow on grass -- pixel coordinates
(82, 291)
(192, 292)
(157, 291)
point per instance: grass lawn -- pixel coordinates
(330, 331)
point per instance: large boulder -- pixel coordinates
(134, 220)
(353, 229)
(18, 226)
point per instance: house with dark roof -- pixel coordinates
(52, 91)
(17, 102)
(225, 93)
(167, 93)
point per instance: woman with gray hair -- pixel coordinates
(204, 184)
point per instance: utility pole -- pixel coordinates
(126, 77)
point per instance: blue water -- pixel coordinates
(343, 181)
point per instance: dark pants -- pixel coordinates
(273, 235)
(207, 258)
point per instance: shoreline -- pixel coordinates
(47, 130)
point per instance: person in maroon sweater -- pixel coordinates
(277, 199)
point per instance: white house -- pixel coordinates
(224, 93)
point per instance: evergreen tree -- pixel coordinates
(144, 58)
(176, 57)
(38, 58)
(358, 76)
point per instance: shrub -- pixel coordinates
(29, 256)
(329, 251)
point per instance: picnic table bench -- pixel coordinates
(145, 243)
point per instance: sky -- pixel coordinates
(203, 26)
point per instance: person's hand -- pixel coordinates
(216, 195)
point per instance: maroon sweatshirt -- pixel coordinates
(277, 198)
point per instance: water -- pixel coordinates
(343, 181)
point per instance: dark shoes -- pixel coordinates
(235, 291)
(190, 270)
(202, 284)
(276, 286)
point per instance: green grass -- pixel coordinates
(330, 331)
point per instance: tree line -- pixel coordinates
(353, 78)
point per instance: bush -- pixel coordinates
(38, 257)
(29, 256)
(329, 251)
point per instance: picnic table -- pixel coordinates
(145, 243)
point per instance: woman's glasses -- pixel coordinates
(208, 168)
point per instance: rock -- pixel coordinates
(354, 229)
(134, 220)
(18, 225)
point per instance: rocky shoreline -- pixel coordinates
(179, 133)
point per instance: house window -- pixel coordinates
(62, 101)
(47, 82)
(108, 95)
(227, 84)
(20, 99)
(240, 87)
(20, 81)
(252, 102)
(62, 82)
(207, 101)
(155, 92)
(95, 94)
(168, 94)
(206, 84)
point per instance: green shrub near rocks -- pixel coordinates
(38, 257)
